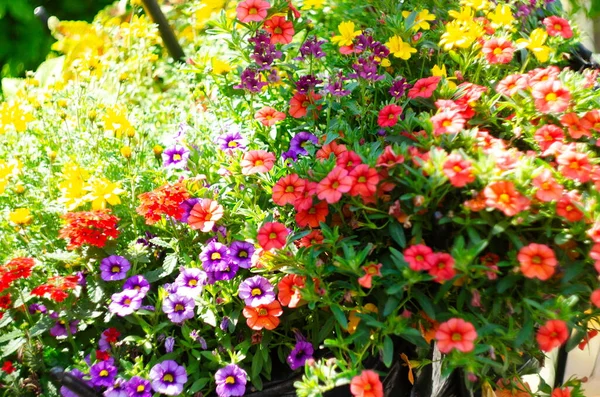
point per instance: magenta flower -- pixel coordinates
(138, 387)
(176, 156)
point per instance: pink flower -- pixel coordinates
(256, 161)
(416, 257)
(252, 10)
(551, 97)
(498, 50)
(334, 185)
(456, 333)
(388, 116)
(424, 87)
(557, 26)
(458, 170)
(447, 122)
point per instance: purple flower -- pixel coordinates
(364, 42)
(138, 387)
(399, 87)
(336, 86)
(264, 52)
(60, 328)
(250, 81)
(190, 282)
(66, 392)
(312, 47)
(231, 381)
(240, 253)
(137, 283)
(35, 308)
(118, 389)
(231, 141)
(300, 139)
(215, 256)
(176, 156)
(224, 324)
(290, 154)
(366, 68)
(103, 374)
(168, 378)
(301, 352)
(178, 308)
(187, 206)
(307, 83)
(195, 335)
(125, 302)
(114, 267)
(183, 127)
(82, 281)
(169, 344)
(256, 291)
(227, 273)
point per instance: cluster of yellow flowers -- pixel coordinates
(77, 188)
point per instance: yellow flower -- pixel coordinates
(399, 48)
(347, 34)
(478, 5)
(103, 191)
(7, 171)
(20, 216)
(501, 16)
(126, 152)
(466, 14)
(421, 20)
(72, 186)
(218, 66)
(12, 114)
(461, 35)
(535, 44)
(385, 63)
(313, 4)
(441, 72)
(117, 122)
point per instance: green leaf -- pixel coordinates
(339, 316)
(388, 351)
(575, 339)
(526, 331)
(11, 335)
(198, 385)
(257, 364)
(13, 346)
(425, 303)
(397, 234)
(390, 305)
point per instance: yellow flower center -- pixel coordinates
(536, 259)
(289, 189)
(277, 30)
(140, 388)
(557, 26)
(446, 123)
(230, 380)
(193, 282)
(177, 157)
(262, 312)
(504, 198)
(457, 168)
(362, 179)
(179, 307)
(232, 144)
(104, 373)
(273, 235)
(127, 301)
(497, 51)
(456, 337)
(168, 378)
(258, 162)
(335, 184)
(256, 291)
(215, 256)
(115, 269)
(243, 254)
(252, 11)
(551, 97)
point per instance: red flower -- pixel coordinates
(56, 287)
(334, 185)
(313, 216)
(546, 136)
(305, 199)
(441, 266)
(388, 116)
(557, 26)
(288, 189)
(272, 235)
(576, 127)
(300, 102)
(101, 355)
(268, 116)
(595, 297)
(365, 179)
(491, 261)
(591, 121)
(512, 84)
(367, 384)
(416, 257)
(568, 207)
(347, 160)
(424, 88)
(547, 187)
(315, 237)
(503, 196)
(282, 30)
(498, 50)
(537, 261)
(551, 97)
(371, 270)
(5, 301)
(592, 333)
(326, 150)
(552, 334)
(388, 158)
(164, 200)
(456, 334)
(558, 392)
(574, 165)
(111, 335)
(8, 368)
(289, 290)
(89, 227)
(458, 170)
(447, 122)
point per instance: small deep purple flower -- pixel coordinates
(190, 282)
(300, 139)
(103, 374)
(37, 308)
(256, 291)
(307, 83)
(227, 273)
(195, 335)
(187, 206)
(114, 267)
(178, 308)
(231, 381)
(301, 352)
(399, 87)
(289, 155)
(137, 283)
(168, 378)
(250, 81)
(224, 324)
(176, 156)
(60, 328)
(215, 256)
(138, 387)
(336, 86)
(124, 303)
(240, 253)
(66, 392)
(146, 240)
(312, 47)
(169, 344)
(264, 52)
(364, 42)
(82, 281)
(366, 68)
(231, 141)
(118, 389)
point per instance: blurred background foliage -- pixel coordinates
(25, 40)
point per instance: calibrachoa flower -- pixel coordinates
(503, 196)
(416, 257)
(552, 334)
(231, 141)
(388, 116)
(498, 50)
(165, 200)
(281, 30)
(272, 235)
(447, 122)
(231, 381)
(424, 88)
(257, 161)
(289, 290)
(299, 140)
(125, 302)
(91, 227)
(138, 387)
(299, 104)
(558, 392)
(226, 273)
(114, 267)
(215, 256)
(288, 189)
(60, 327)
(108, 338)
(302, 351)
(204, 214)
(168, 378)
(56, 288)
(137, 283)
(441, 266)
(178, 307)
(337, 182)
(313, 216)
(268, 116)
(551, 97)
(456, 334)
(256, 291)
(175, 156)
(263, 316)
(371, 270)
(240, 253)
(103, 374)
(190, 282)
(458, 170)
(367, 384)
(252, 10)
(557, 26)
(568, 206)
(537, 261)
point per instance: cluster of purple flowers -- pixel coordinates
(312, 48)
(371, 54)
(179, 305)
(297, 145)
(399, 87)
(251, 81)
(130, 299)
(306, 84)
(264, 53)
(222, 263)
(336, 86)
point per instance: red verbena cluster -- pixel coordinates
(89, 227)
(164, 200)
(15, 269)
(56, 288)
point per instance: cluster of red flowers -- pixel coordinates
(56, 288)
(15, 269)
(440, 265)
(165, 200)
(89, 227)
(453, 114)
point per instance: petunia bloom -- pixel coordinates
(263, 316)
(204, 214)
(240, 253)
(103, 374)
(256, 291)
(456, 334)
(268, 116)
(548, 189)
(424, 88)
(288, 189)
(334, 185)
(416, 257)
(498, 50)
(557, 26)
(370, 270)
(289, 290)
(125, 303)
(551, 97)
(114, 268)
(458, 170)
(257, 161)
(302, 351)
(168, 378)
(281, 30)
(503, 196)
(178, 308)
(252, 10)
(138, 387)
(552, 335)
(366, 384)
(231, 381)
(175, 156)
(272, 235)
(388, 116)
(537, 261)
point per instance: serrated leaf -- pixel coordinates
(160, 242)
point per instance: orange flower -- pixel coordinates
(268, 116)
(313, 238)
(558, 392)
(576, 127)
(512, 84)
(574, 165)
(204, 214)
(388, 158)
(591, 333)
(272, 235)
(458, 170)
(256, 161)
(334, 185)
(477, 203)
(456, 333)
(289, 290)
(263, 316)
(547, 187)
(537, 261)
(516, 388)
(591, 120)
(547, 136)
(300, 102)
(567, 207)
(551, 97)
(333, 147)
(367, 384)
(503, 196)
(552, 334)
(365, 179)
(348, 160)
(313, 216)
(288, 189)
(371, 270)
(282, 30)
(164, 200)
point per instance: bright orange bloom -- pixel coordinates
(300, 102)
(516, 388)
(557, 26)
(204, 214)
(268, 116)
(576, 127)
(552, 334)
(568, 206)
(441, 266)
(252, 10)
(424, 88)
(272, 235)
(388, 158)
(551, 97)
(448, 122)
(282, 30)
(288, 189)
(256, 161)
(458, 170)
(498, 50)
(313, 216)
(348, 159)
(371, 270)
(367, 384)
(165, 200)
(55, 288)
(558, 392)
(263, 316)
(512, 84)
(289, 290)
(332, 147)
(334, 185)
(574, 165)
(89, 227)
(537, 261)
(456, 333)
(547, 136)
(547, 187)
(591, 120)
(365, 179)
(503, 196)
(315, 237)
(591, 333)
(477, 203)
